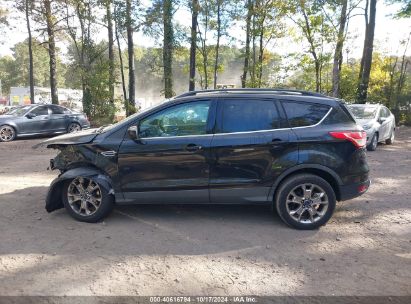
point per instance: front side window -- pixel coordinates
(180, 120)
(248, 115)
(302, 114)
(42, 110)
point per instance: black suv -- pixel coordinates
(298, 151)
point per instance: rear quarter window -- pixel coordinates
(303, 114)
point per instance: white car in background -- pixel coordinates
(377, 121)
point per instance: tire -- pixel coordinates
(390, 140)
(73, 127)
(321, 203)
(7, 133)
(373, 144)
(75, 208)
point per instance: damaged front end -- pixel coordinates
(78, 157)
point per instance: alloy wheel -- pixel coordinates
(84, 196)
(307, 203)
(6, 133)
(74, 128)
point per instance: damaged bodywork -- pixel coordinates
(78, 156)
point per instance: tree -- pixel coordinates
(366, 60)
(339, 49)
(112, 76)
(130, 49)
(249, 6)
(168, 45)
(51, 45)
(193, 44)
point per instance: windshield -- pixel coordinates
(363, 112)
(19, 111)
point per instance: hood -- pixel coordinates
(81, 137)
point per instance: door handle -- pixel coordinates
(193, 147)
(276, 140)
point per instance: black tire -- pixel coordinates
(104, 209)
(294, 181)
(374, 142)
(9, 133)
(73, 127)
(390, 140)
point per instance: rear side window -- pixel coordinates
(242, 115)
(302, 114)
(59, 110)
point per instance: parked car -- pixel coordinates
(40, 119)
(377, 121)
(298, 151)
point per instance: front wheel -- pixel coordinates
(305, 201)
(373, 144)
(7, 133)
(86, 200)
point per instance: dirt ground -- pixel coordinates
(204, 250)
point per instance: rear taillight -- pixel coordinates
(358, 138)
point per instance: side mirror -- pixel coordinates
(30, 115)
(382, 119)
(133, 133)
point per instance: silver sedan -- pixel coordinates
(377, 121)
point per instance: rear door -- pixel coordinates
(251, 147)
(58, 118)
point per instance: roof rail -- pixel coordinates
(252, 90)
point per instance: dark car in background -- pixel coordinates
(297, 151)
(40, 119)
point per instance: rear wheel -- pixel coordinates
(86, 200)
(390, 140)
(73, 127)
(305, 201)
(373, 144)
(7, 133)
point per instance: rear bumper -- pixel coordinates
(348, 192)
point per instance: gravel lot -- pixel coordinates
(204, 250)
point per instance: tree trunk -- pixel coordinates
(168, 44)
(123, 82)
(193, 46)
(338, 51)
(31, 68)
(130, 109)
(367, 55)
(217, 47)
(247, 44)
(111, 71)
(52, 52)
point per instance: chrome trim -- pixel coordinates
(109, 153)
(247, 132)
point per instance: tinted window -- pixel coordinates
(42, 110)
(185, 119)
(59, 110)
(301, 114)
(248, 115)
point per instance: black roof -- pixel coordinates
(296, 95)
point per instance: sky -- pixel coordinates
(388, 33)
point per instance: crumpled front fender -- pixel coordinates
(54, 197)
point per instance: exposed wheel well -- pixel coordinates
(321, 173)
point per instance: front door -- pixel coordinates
(40, 123)
(170, 161)
(251, 147)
